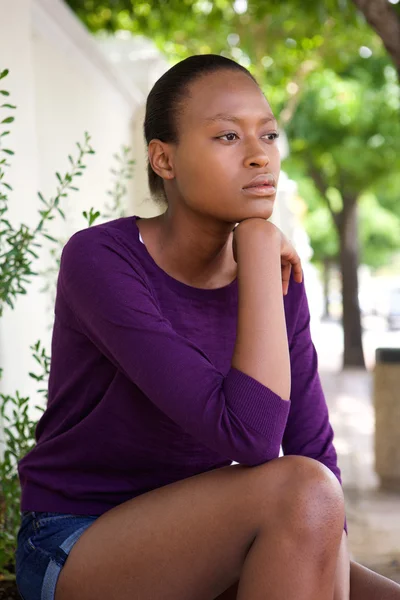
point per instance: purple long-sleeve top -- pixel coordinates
(141, 389)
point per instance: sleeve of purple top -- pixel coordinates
(107, 290)
(308, 430)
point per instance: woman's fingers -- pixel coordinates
(297, 270)
(286, 270)
(289, 262)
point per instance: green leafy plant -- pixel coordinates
(18, 248)
(19, 440)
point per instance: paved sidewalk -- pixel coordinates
(373, 515)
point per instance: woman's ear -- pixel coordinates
(160, 158)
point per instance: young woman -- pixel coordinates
(181, 344)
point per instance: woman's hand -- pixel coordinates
(289, 257)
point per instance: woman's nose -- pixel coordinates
(256, 156)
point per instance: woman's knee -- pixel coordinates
(306, 496)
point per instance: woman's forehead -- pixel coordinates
(227, 96)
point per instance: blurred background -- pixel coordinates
(330, 70)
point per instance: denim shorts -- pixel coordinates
(44, 542)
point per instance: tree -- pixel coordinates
(379, 230)
(280, 42)
(187, 27)
(385, 20)
(352, 146)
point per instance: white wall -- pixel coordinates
(22, 327)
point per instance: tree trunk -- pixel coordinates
(326, 277)
(349, 260)
(385, 21)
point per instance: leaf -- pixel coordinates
(4, 133)
(49, 237)
(59, 177)
(8, 106)
(7, 151)
(4, 73)
(32, 253)
(4, 92)
(7, 120)
(34, 376)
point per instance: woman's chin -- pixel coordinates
(263, 210)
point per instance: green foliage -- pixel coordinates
(379, 232)
(19, 246)
(379, 223)
(280, 42)
(121, 173)
(354, 138)
(16, 250)
(19, 439)
(345, 144)
(323, 238)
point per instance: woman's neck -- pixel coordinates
(195, 251)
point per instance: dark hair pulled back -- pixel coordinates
(165, 101)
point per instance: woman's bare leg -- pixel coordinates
(276, 526)
(368, 585)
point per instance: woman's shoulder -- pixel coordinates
(102, 246)
(120, 229)
(118, 232)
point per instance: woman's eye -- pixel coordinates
(227, 135)
(272, 136)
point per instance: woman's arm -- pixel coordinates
(261, 349)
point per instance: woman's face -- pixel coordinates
(227, 137)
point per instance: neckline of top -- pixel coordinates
(180, 286)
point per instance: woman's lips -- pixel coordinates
(260, 190)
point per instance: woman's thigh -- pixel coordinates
(187, 540)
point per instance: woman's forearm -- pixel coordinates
(261, 349)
